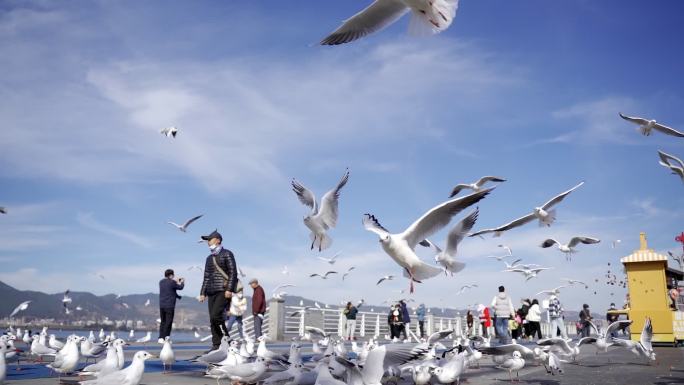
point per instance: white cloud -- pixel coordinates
(87, 220)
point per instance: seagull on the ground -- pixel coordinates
(323, 276)
(554, 291)
(569, 248)
(67, 358)
(575, 281)
(385, 278)
(131, 375)
(401, 246)
(145, 339)
(331, 260)
(169, 132)
(185, 225)
(643, 347)
(22, 306)
(673, 163)
(447, 258)
(528, 273)
(427, 17)
(166, 355)
(545, 214)
(54, 343)
(646, 126)
(513, 364)
(564, 347)
(477, 186)
(322, 218)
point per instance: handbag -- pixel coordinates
(238, 287)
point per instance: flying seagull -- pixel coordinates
(569, 248)
(554, 291)
(545, 214)
(169, 132)
(446, 258)
(22, 306)
(385, 278)
(322, 218)
(3, 210)
(646, 126)
(331, 260)
(673, 163)
(528, 273)
(322, 276)
(464, 288)
(400, 246)
(427, 16)
(575, 281)
(615, 243)
(477, 186)
(185, 225)
(348, 272)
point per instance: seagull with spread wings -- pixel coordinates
(332, 259)
(447, 258)
(22, 306)
(554, 291)
(546, 215)
(322, 218)
(427, 17)
(347, 272)
(476, 186)
(646, 126)
(401, 246)
(323, 276)
(575, 281)
(169, 132)
(528, 273)
(673, 163)
(385, 278)
(569, 248)
(184, 226)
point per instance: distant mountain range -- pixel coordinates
(189, 312)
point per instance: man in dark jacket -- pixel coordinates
(258, 306)
(219, 284)
(585, 318)
(406, 319)
(167, 301)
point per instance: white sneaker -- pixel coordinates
(161, 340)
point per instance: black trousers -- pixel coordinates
(166, 316)
(535, 328)
(217, 304)
(421, 326)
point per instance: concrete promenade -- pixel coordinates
(615, 367)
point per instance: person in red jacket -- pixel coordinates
(485, 319)
(258, 306)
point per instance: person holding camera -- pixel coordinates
(219, 284)
(167, 302)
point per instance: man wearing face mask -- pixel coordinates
(220, 281)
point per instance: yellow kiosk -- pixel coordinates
(650, 283)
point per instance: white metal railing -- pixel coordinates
(248, 325)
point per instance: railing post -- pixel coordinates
(302, 321)
(430, 322)
(362, 332)
(441, 324)
(276, 319)
(377, 326)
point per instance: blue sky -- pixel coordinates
(529, 91)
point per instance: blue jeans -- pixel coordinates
(501, 326)
(233, 319)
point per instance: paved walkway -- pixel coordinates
(615, 367)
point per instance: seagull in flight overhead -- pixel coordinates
(528, 273)
(545, 214)
(646, 126)
(465, 287)
(477, 186)
(400, 246)
(323, 276)
(322, 218)
(385, 278)
(446, 258)
(22, 306)
(187, 223)
(427, 17)
(569, 248)
(554, 291)
(331, 260)
(348, 272)
(169, 132)
(615, 243)
(575, 281)
(3, 210)
(673, 163)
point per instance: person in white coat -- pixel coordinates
(238, 306)
(534, 319)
